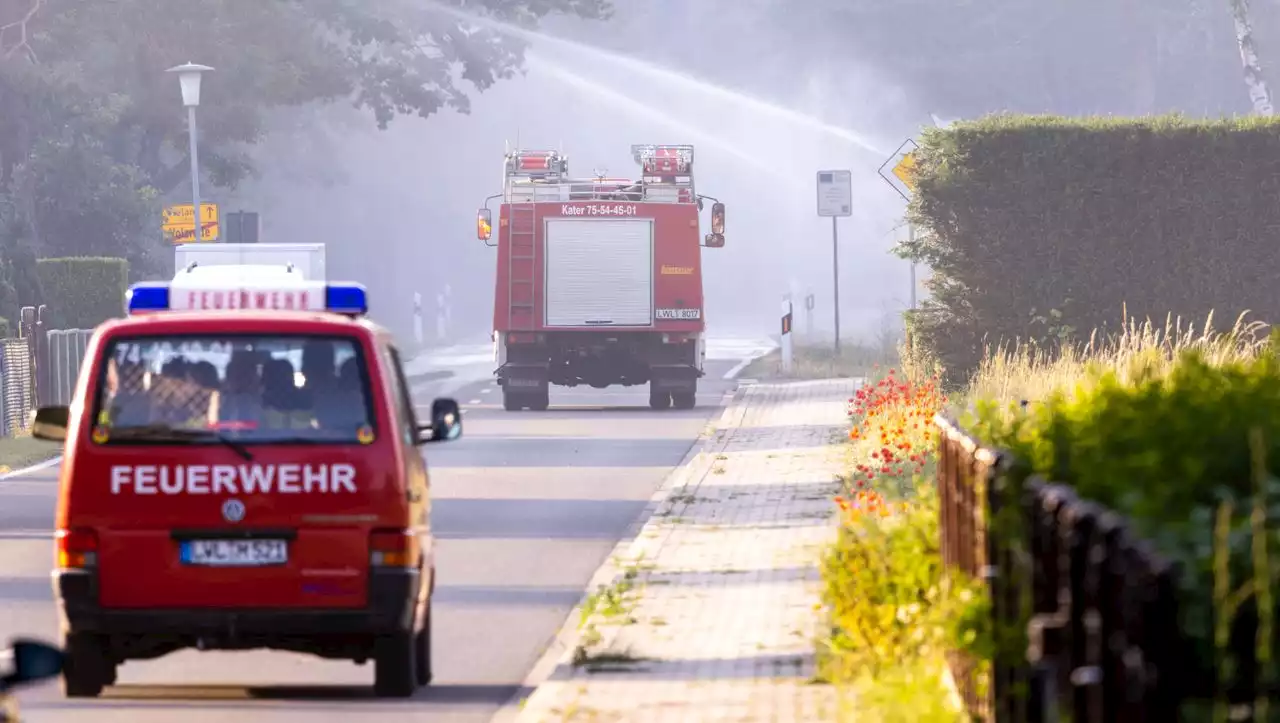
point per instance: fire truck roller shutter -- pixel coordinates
(599, 272)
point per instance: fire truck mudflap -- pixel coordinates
(600, 280)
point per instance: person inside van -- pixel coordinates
(343, 408)
(240, 400)
(281, 399)
(130, 401)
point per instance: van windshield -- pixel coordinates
(246, 389)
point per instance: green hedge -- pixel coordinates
(1040, 227)
(83, 292)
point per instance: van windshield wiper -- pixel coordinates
(167, 433)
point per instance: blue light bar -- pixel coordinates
(346, 298)
(338, 298)
(147, 296)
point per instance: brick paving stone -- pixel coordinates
(720, 619)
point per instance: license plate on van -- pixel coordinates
(235, 553)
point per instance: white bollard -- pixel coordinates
(786, 336)
(417, 318)
(440, 329)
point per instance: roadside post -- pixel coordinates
(835, 200)
(809, 303)
(787, 351)
(417, 318)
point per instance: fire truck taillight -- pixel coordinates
(484, 224)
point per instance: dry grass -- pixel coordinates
(24, 451)
(821, 362)
(1018, 372)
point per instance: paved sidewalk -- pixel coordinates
(711, 613)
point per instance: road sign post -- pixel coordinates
(835, 199)
(904, 170)
(787, 351)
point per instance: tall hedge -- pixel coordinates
(82, 292)
(1041, 227)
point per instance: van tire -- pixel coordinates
(86, 669)
(393, 665)
(684, 400)
(422, 651)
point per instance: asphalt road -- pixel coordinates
(527, 506)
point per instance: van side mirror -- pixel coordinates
(50, 423)
(484, 224)
(31, 661)
(446, 422)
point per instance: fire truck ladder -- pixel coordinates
(522, 269)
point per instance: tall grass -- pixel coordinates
(1013, 373)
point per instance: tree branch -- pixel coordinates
(21, 25)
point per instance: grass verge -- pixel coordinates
(19, 452)
(820, 362)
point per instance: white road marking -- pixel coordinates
(486, 390)
(33, 468)
(474, 401)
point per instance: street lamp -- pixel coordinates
(189, 77)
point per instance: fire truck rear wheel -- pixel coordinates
(659, 400)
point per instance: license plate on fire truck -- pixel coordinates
(678, 313)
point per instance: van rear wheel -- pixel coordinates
(422, 650)
(86, 669)
(394, 659)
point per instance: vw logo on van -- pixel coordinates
(233, 510)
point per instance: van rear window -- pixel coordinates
(243, 389)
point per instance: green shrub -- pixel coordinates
(83, 292)
(6, 330)
(1168, 446)
(1037, 227)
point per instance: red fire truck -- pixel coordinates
(600, 279)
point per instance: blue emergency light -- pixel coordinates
(340, 298)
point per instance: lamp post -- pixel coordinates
(189, 77)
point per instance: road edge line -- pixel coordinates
(734, 372)
(567, 635)
(32, 468)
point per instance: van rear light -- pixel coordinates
(76, 549)
(393, 548)
(675, 338)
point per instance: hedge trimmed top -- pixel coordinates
(1039, 227)
(83, 292)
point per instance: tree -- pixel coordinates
(93, 134)
(1259, 94)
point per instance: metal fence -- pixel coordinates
(17, 387)
(65, 356)
(1097, 606)
(38, 367)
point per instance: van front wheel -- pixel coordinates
(393, 665)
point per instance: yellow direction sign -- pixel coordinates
(180, 216)
(208, 232)
(906, 170)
